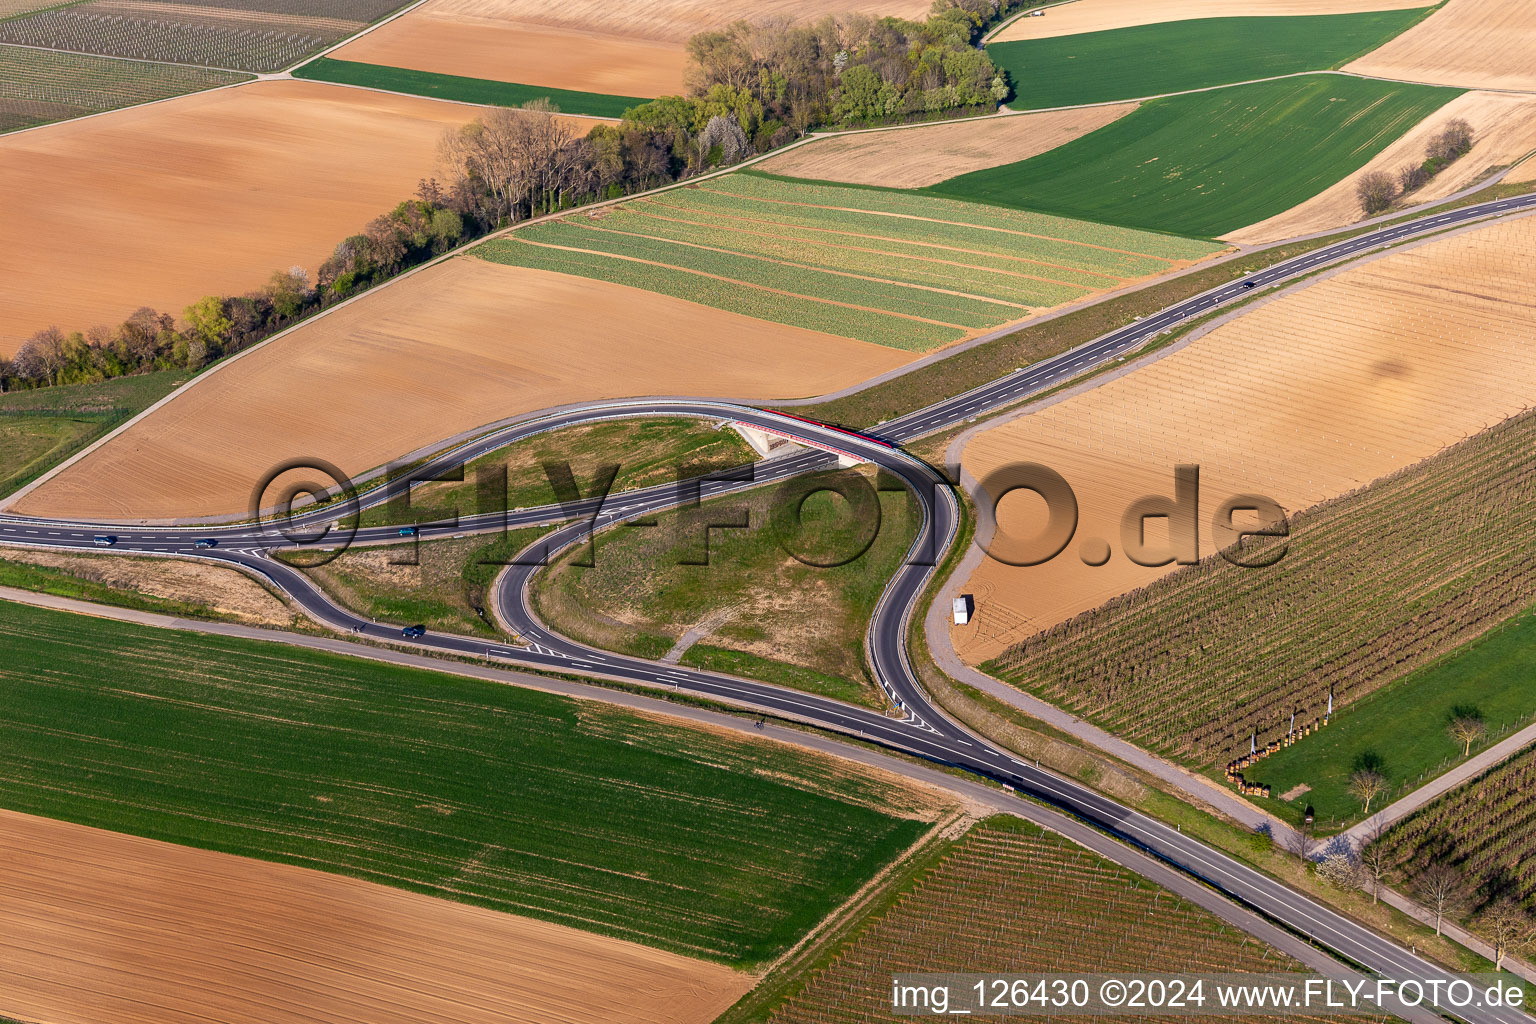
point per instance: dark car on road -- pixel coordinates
(206, 542)
(412, 632)
(408, 531)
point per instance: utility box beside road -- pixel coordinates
(963, 605)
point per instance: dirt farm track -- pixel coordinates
(208, 193)
(99, 926)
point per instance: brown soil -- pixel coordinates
(1097, 15)
(227, 592)
(920, 156)
(106, 927)
(628, 49)
(1477, 44)
(1504, 131)
(208, 193)
(459, 345)
(1302, 399)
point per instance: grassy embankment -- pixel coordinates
(648, 450)
(43, 427)
(524, 802)
(1205, 164)
(1011, 895)
(1175, 56)
(441, 584)
(762, 613)
(1375, 585)
(464, 90)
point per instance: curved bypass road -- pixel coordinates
(923, 730)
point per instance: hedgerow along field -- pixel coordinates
(1403, 729)
(1205, 164)
(1018, 899)
(40, 86)
(464, 90)
(244, 35)
(523, 802)
(1373, 585)
(1486, 829)
(877, 265)
(1175, 56)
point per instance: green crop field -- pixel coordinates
(647, 587)
(1485, 829)
(41, 428)
(1209, 163)
(1174, 56)
(879, 265)
(1020, 900)
(38, 86)
(1403, 729)
(464, 90)
(1374, 585)
(511, 799)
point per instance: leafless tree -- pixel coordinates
(1443, 890)
(1366, 785)
(1453, 141)
(1510, 928)
(40, 357)
(1376, 190)
(1375, 861)
(1466, 730)
(1411, 177)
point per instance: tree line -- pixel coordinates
(752, 87)
(1378, 190)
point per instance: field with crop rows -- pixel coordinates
(1019, 900)
(696, 842)
(1485, 829)
(896, 269)
(1374, 585)
(1209, 163)
(464, 90)
(38, 86)
(1150, 60)
(245, 35)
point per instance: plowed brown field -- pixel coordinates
(1304, 398)
(1504, 130)
(456, 346)
(626, 49)
(160, 205)
(926, 155)
(1478, 44)
(100, 927)
(1098, 15)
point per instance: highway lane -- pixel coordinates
(921, 729)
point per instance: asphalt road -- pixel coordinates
(921, 729)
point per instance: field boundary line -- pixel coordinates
(435, 99)
(744, 284)
(957, 250)
(251, 80)
(402, 12)
(822, 270)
